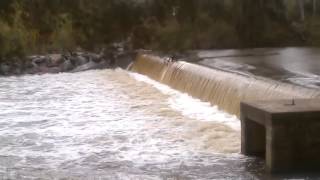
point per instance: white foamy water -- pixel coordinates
(191, 107)
(112, 124)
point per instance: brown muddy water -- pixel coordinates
(115, 124)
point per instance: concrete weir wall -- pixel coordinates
(286, 133)
(224, 89)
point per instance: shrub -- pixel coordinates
(15, 40)
(63, 36)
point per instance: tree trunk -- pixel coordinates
(301, 8)
(314, 7)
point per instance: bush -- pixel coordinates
(313, 27)
(215, 33)
(204, 33)
(15, 41)
(63, 36)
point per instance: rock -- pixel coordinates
(72, 59)
(16, 66)
(79, 60)
(16, 71)
(54, 70)
(39, 60)
(123, 60)
(97, 59)
(44, 70)
(28, 65)
(55, 60)
(82, 60)
(103, 64)
(87, 66)
(66, 66)
(5, 69)
(31, 70)
(55, 63)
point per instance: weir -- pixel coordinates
(224, 89)
(285, 134)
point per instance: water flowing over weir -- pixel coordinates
(215, 86)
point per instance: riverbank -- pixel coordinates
(64, 62)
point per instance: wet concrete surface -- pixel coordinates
(300, 66)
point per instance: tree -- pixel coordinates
(314, 7)
(301, 9)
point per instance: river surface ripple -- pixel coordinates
(113, 124)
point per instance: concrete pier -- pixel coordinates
(286, 133)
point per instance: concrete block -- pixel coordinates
(286, 133)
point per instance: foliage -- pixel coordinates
(15, 38)
(29, 26)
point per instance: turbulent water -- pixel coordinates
(225, 89)
(112, 124)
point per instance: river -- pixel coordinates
(113, 124)
(294, 65)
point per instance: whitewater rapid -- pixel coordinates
(113, 124)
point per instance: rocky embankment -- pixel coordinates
(56, 63)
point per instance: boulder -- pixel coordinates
(87, 66)
(54, 70)
(31, 70)
(55, 60)
(103, 64)
(55, 63)
(39, 60)
(79, 60)
(5, 69)
(66, 65)
(44, 70)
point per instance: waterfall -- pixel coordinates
(224, 89)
